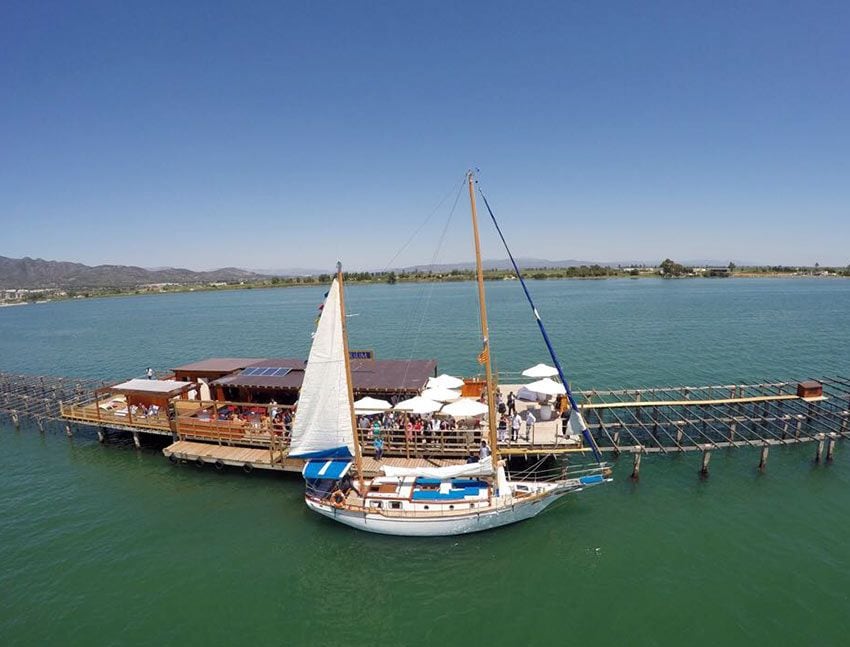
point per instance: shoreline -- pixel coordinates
(301, 283)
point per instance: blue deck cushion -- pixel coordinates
(424, 480)
(451, 495)
(460, 483)
(326, 469)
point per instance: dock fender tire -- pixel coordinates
(199, 462)
(247, 468)
(173, 459)
(219, 465)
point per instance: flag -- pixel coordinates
(483, 355)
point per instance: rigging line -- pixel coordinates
(422, 225)
(430, 288)
(584, 430)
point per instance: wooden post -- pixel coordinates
(15, 420)
(830, 448)
(636, 466)
(799, 426)
(101, 434)
(68, 431)
(136, 440)
(763, 460)
(819, 450)
(844, 421)
(732, 426)
(679, 432)
(706, 457)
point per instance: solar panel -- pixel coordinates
(265, 371)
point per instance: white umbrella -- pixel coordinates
(546, 386)
(371, 405)
(418, 405)
(444, 381)
(465, 408)
(540, 370)
(439, 394)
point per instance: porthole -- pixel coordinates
(427, 508)
(451, 507)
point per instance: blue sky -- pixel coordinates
(273, 135)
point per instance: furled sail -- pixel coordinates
(322, 427)
(482, 468)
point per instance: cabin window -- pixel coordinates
(395, 505)
(471, 505)
(376, 504)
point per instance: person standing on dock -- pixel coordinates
(511, 404)
(484, 452)
(149, 373)
(516, 423)
(529, 424)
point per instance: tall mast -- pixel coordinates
(358, 457)
(485, 333)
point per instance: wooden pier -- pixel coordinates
(658, 420)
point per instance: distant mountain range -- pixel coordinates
(38, 273)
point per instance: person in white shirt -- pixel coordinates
(516, 423)
(529, 424)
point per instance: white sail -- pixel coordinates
(322, 426)
(482, 468)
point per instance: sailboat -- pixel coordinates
(429, 501)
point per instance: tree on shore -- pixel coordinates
(669, 267)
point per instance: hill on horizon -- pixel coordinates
(34, 273)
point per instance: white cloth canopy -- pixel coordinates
(418, 405)
(482, 468)
(444, 381)
(162, 387)
(540, 370)
(439, 394)
(371, 405)
(546, 386)
(465, 408)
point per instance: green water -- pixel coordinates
(109, 545)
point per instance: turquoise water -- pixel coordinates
(109, 545)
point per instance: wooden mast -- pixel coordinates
(485, 333)
(358, 456)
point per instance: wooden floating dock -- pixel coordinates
(659, 420)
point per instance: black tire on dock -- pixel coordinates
(172, 458)
(218, 464)
(247, 468)
(199, 462)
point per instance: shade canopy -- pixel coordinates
(465, 408)
(444, 381)
(418, 405)
(326, 469)
(546, 386)
(157, 387)
(439, 394)
(540, 370)
(371, 405)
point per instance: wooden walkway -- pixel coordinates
(657, 420)
(249, 458)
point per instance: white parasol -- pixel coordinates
(546, 386)
(439, 394)
(540, 370)
(371, 405)
(444, 381)
(418, 405)
(465, 408)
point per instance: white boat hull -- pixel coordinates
(440, 525)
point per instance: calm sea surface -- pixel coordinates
(109, 545)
